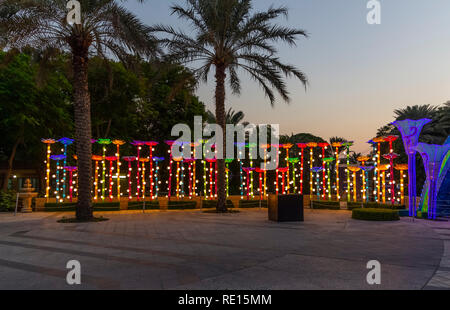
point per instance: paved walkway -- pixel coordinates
(194, 250)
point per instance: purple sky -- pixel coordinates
(358, 73)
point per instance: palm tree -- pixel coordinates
(416, 112)
(106, 29)
(226, 35)
(231, 117)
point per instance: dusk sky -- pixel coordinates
(358, 73)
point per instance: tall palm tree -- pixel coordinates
(231, 117)
(106, 29)
(227, 36)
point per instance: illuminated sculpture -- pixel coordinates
(248, 170)
(118, 144)
(287, 147)
(337, 145)
(311, 146)
(402, 168)
(49, 143)
(143, 161)
(227, 163)
(151, 146)
(260, 188)
(347, 145)
(283, 173)
(138, 145)
(410, 131)
(103, 142)
(383, 169)
(157, 160)
(293, 162)
(366, 184)
(212, 177)
(391, 157)
(324, 146)
(377, 141)
(302, 147)
(191, 186)
(57, 159)
(129, 160)
(71, 171)
(433, 157)
(66, 142)
(96, 159)
(177, 175)
(111, 160)
(169, 187)
(354, 170)
(328, 162)
(317, 171)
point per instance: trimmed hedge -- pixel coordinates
(326, 205)
(374, 205)
(139, 205)
(212, 204)
(182, 205)
(375, 214)
(71, 206)
(247, 204)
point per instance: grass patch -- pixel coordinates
(74, 220)
(247, 204)
(212, 204)
(326, 205)
(375, 214)
(182, 205)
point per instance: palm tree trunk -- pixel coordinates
(83, 133)
(220, 117)
(10, 162)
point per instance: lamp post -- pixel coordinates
(410, 132)
(71, 171)
(111, 160)
(391, 157)
(383, 169)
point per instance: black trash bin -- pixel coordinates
(286, 208)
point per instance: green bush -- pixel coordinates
(212, 204)
(326, 205)
(246, 204)
(7, 201)
(422, 215)
(71, 206)
(139, 205)
(375, 214)
(374, 205)
(182, 205)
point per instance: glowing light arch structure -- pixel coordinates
(410, 131)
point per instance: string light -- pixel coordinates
(311, 146)
(118, 144)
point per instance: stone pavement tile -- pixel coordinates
(441, 280)
(298, 272)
